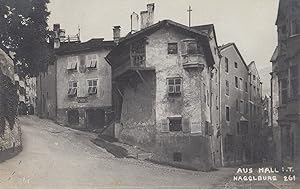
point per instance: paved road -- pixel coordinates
(58, 157)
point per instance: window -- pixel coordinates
(227, 87)
(204, 94)
(172, 48)
(72, 63)
(241, 106)
(236, 82)
(72, 91)
(227, 113)
(207, 101)
(177, 156)
(194, 48)
(92, 61)
(284, 91)
(254, 77)
(238, 128)
(174, 86)
(237, 105)
(235, 64)
(175, 124)
(294, 80)
(206, 128)
(246, 108)
(92, 86)
(254, 90)
(246, 87)
(241, 83)
(226, 64)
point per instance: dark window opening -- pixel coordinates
(172, 48)
(227, 114)
(175, 124)
(174, 86)
(177, 156)
(73, 117)
(236, 65)
(226, 65)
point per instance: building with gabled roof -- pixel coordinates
(165, 91)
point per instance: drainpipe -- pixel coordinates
(220, 125)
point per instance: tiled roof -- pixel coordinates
(93, 44)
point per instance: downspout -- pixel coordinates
(220, 114)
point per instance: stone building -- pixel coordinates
(83, 83)
(241, 103)
(165, 93)
(285, 83)
(46, 93)
(76, 89)
(10, 131)
(234, 106)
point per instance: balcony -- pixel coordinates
(191, 61)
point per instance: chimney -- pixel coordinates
(116, 33)
(147, 17)
(134, 19)
(56, 30)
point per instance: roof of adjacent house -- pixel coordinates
(197, 31)
(275, 55)
(91, 45)
(237, 50)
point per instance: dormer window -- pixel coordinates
(72, 63)
(92, 61)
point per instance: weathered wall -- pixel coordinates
(138, 111)
(100, 100)
(235, 154)
(10, 142)
(46, 93)
(190, 105)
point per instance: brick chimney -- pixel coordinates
(56, 30)
(134, 22)
(147, 17)
(116, 33)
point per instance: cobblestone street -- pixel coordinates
(58, 157)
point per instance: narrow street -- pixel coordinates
(58, 157)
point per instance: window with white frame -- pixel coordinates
(92, 86)
(72, 63)
(174, 86)
(92, 61)
(72, 91)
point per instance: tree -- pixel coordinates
(24, 31)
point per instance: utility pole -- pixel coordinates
(190, 14)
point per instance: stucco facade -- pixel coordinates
(241, 103)
(84, 85)
(285, 79)
(147, 110)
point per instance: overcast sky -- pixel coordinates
(248, 23)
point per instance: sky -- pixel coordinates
(250, 24)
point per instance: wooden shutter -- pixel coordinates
(164, 126)
(186, 128)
